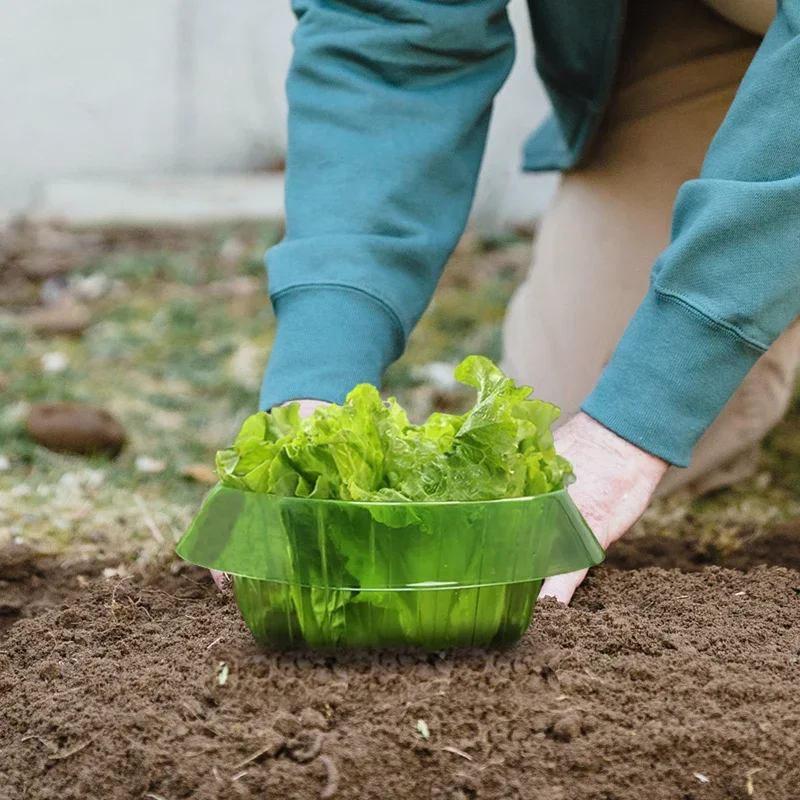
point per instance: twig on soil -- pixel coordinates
(332, 786)
(148, 519)
(191, 710)
(216, 641)
(751, 789)
(238, 775)
(65, 693)
(48, 744)
(172, 596)
(255, 756)
(154, 797)
(647, 606)
(114, 595)
(455, 751)
(203, 751)
(201, 584)
(496, 763)
(72, 752)
(137, 604)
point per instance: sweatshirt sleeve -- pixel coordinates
(389, 107)
(729, 283)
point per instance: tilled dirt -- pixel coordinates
(31, 583)
(655, 683)
(778, 546)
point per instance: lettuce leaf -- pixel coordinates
(367, 450)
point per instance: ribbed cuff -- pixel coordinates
(329, 339)
(671, 375)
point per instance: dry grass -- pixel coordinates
(180, 330)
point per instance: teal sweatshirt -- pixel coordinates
(389, 106)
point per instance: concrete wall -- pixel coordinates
(110, 89)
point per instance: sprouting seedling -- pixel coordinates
(422, 729)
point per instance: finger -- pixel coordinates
(221, 579)
(562, 587)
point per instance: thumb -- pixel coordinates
(221, 579)
(562, 587)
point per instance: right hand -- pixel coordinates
(615, 482)
(307, 408)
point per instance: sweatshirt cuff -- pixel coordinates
(329, 339)
(671, 375)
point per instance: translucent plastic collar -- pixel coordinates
(380, 546)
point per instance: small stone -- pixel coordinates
(54, 363)
(150, 466)
(201, 473)
(567, 727)
(65, 318)
(92, 287)
(75, 428)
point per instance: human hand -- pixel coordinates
(615, 482)
(307, 408)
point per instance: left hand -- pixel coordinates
(615, 482)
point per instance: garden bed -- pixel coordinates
(124, 674)
(676, 684)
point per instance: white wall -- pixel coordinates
(106, 88)
(505, 194)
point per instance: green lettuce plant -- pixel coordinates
(367, 450)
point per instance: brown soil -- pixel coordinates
(672, 684)
(30, 583)
(778, 546)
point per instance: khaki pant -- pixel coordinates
(681, 67)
